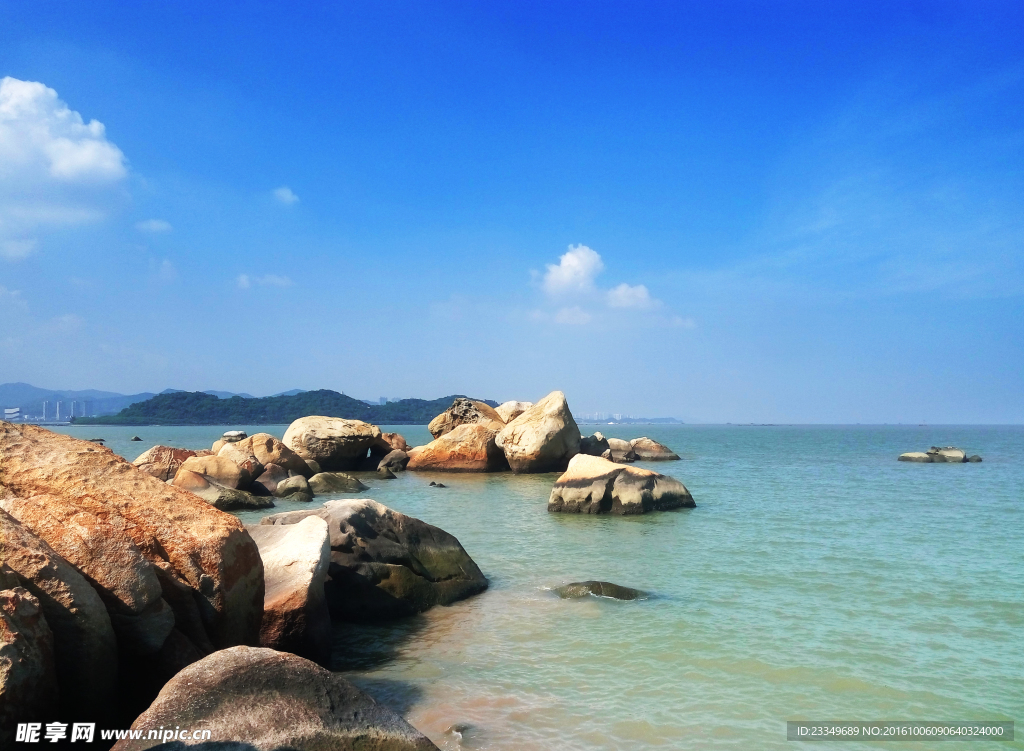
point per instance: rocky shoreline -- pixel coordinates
(127, 594)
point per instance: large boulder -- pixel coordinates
(649, 450)
(219, 496)
(542, 439)
(916, 456)
(198, 547)
(385, 564)
(218, 470)
(85, 649)
(594, 445)
(267, 482)
(163, 461)
(396, 441)
(294, 489)
(266, 450)
(396, 460)
(326, 483)
(295, 560)
(271, 701)
(465, 412)
(333, 443)
(28, 679)
(576, 590)
(241, 453)
(593, 485)
(621, 451)
(466, 448)
(949, 455)
(511, 410)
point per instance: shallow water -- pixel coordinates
(818, 578)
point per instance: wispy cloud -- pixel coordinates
(153, 225)
(244, 281)
(285, 195)
(626, 296)
(14, 250)
(574, 316)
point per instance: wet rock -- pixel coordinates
(621, 451)
(295, 561)
(135, 438)
(385, 564)
(974, 459)
(386, 474)
(335, 482)
(648, 450)
(466, 448)
(509, 411)
(464, 412)
(333, 443)
(598, 589)
(593, 485)
(274, 700)
(396, 461)
(28, 678)
(293, 488)
(543, 438)
(594, 445)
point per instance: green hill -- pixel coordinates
(198, 408)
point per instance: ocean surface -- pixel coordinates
(817, 579)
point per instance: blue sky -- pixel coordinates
(748, 211)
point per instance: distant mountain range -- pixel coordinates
(202, 408)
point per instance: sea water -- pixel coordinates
(818, 578)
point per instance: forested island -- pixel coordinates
(198, 408)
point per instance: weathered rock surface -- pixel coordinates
(937, 455)
(594, 445)
(163, 461)
(386, 474)
(294, 489)
(85, 649)
(385, 564)
(335, 482)
(333, 443)
(542, 439)
(217, 470)
(592, 485)
(206, 550)
(269, 450)
(916, 456)
(649, 450)
(396, 461)
(466, 448)
(28, 679)
(575, 590)
(465, 412)
(396, 441)
(219, 496)
(241, 453)
(621, 451)
(295, 561)
(511, 410)
(274, 701)
(267, 482)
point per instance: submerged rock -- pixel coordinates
(466, 448)
(274, 700)
(594, 485)
(542, 439)
(335, 482)
(333, 443)
(599, 589)
(295, 561)
(385, 564)
(465, 412)
(648, 450)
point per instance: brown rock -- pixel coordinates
(28, 679)
(592, 485)
(509, 411)
(333, 443)
(274, 700)
(207, 549)
(648, 450)
(396, 441)
(85, 650)
(335, 482)
(385, 564)
(396, 461)
(217, 446)
(295, 560)
(266, 484)
(466, 448)
(216, 470)
(162, 461)
(465, 412)
(219, 496)
(543, 438)
(266, 449)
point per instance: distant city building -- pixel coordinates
(383, 400)
(46, 411)
(87, 408)
(59, 405)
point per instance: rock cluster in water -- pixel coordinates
(936, 455)
(575, 590)
(595, 485)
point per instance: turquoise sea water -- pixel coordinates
(818, 578)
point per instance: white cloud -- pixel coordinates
(55, 168)
(575, 271)
(626, 296)
(285, 195)
(16, 249)
(574, 316)
(154, 225)
(244, 281)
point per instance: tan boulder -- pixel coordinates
(396, 441)
(85, 649)
(295, 560)
(467, 448)
(28, 679)
(949, 455)
(916, 456)
(648, 450)
(218, 470)
(385, 564)
(217, 446)
(207, 549)
(266, 449)
(325, 483)
(219, 496)
(543, 438)
(294, 489)
(465, 412)
(241, 453)
(509, 411)
(332, 442)
(162, 461)
(265, 700)
(621, 451)
(593, 485)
